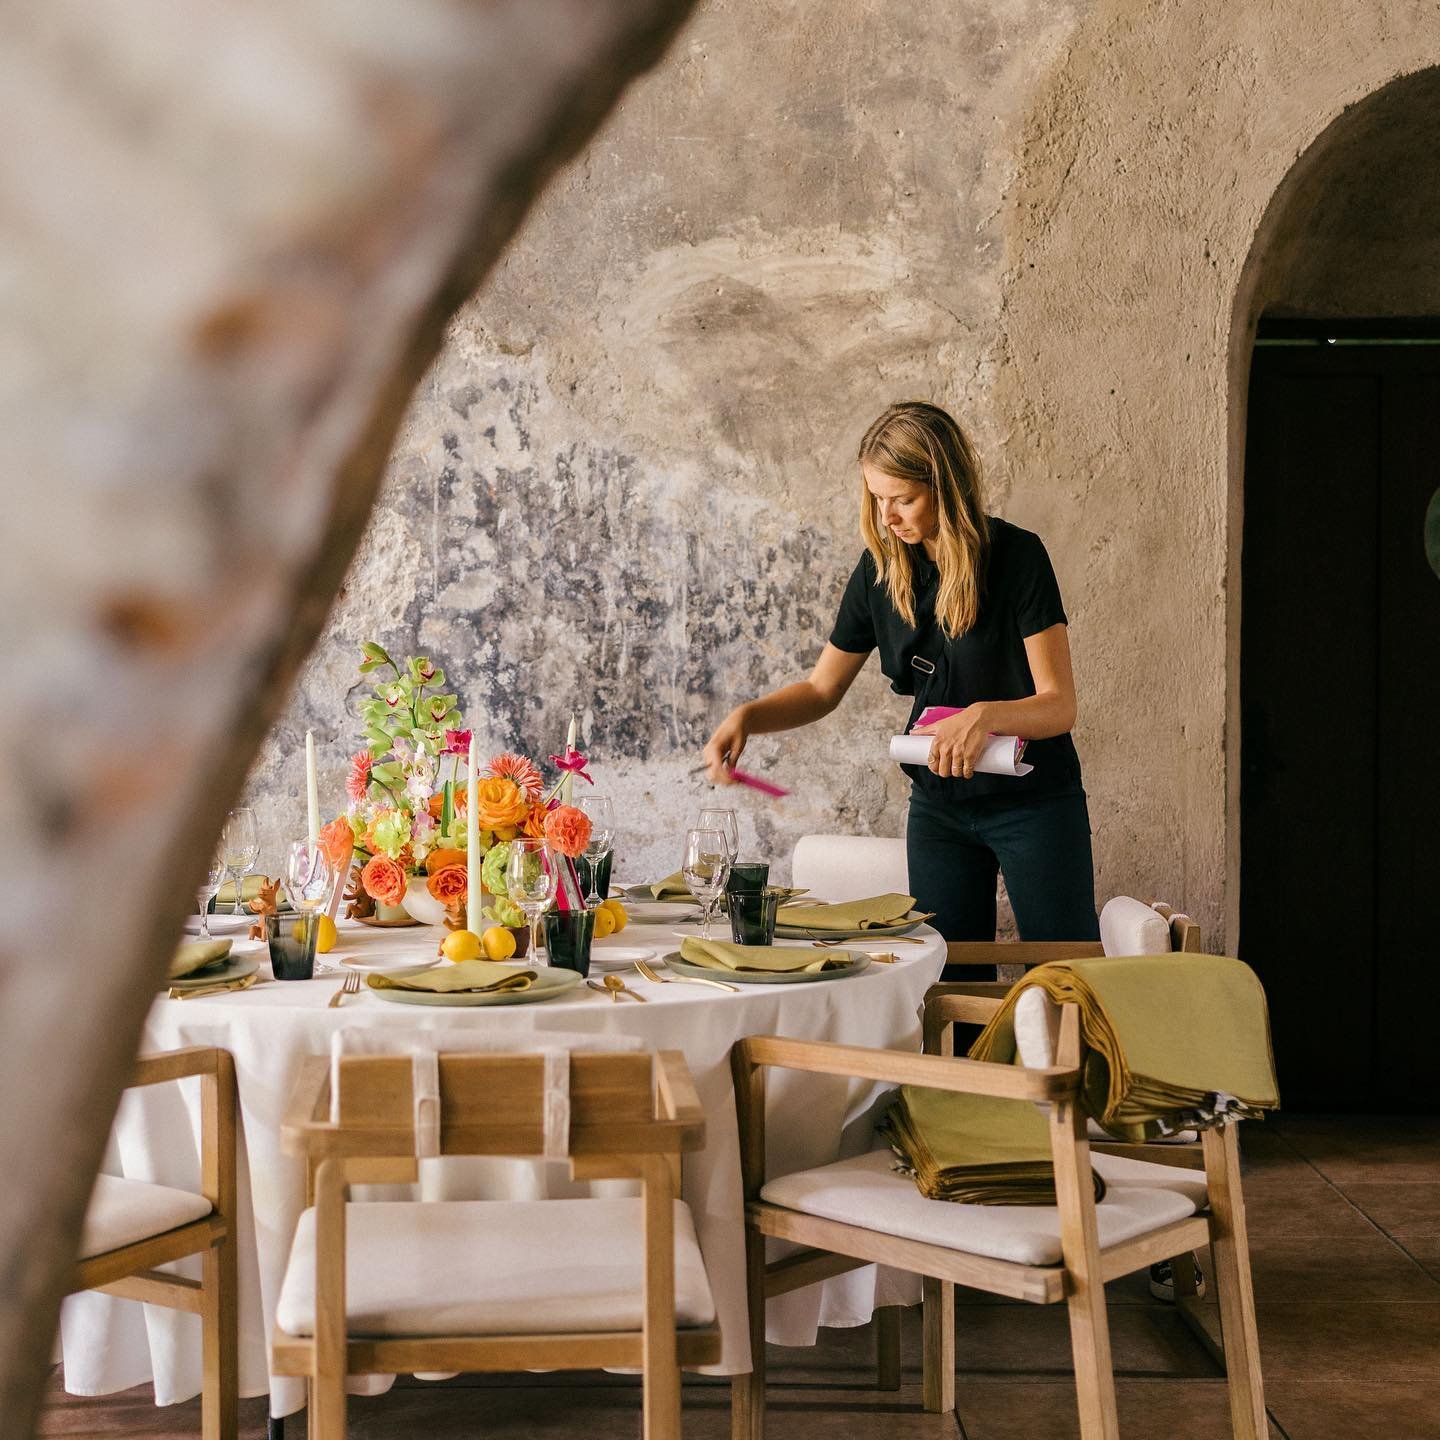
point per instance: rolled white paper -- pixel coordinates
(472, 843)
(1001, 755)
(312, 789)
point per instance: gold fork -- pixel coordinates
(350, 987)
(643, 966)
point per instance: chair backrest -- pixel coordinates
(1131, 927)
(841, 867)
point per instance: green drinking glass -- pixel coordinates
(568, 934)
(752, 916)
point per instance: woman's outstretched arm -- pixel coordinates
(785, 709)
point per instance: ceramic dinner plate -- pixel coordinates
(618, 957)
(660, 912)
(875, 932)
(236, 967)
(548, 984)
(767, 977)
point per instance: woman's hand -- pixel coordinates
(725, 746)
(959, 739)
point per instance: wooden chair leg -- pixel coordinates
(661, 1358)
(331, 1346)
(1230, 1252)
(887, 1347)
(747, 1392)
(938, 1346)
(220, 1344)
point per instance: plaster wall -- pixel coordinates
(627, 485)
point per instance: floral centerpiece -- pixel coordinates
(409, 807)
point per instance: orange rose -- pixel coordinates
(438, 860)
(384, 880)
(499, 803)
(436, 803)
(568, 830)
(534, 825)
(450, 885)
(337, 840)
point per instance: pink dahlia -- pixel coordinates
(522, 771)
(357, 787)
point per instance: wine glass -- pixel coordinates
(530, 881)
(240, 849)
(206, 893)
(308, 876)
(601, 811)
(727, 823)
(706, 868)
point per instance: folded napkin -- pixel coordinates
(1173, 1041)
(850, 914)
(672, 887)
(973, 1149)
(774, 959)
(249, 891)
(469, 977)
(196, 955)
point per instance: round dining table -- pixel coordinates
(111, 1344)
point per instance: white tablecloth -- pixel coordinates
(113, 1344)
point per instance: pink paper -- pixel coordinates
(934, 714)
(755, 783)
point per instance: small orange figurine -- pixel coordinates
(358, 905)
(264, 904)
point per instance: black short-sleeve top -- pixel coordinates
(1019, 597)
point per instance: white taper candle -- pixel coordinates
(567, 788)
(472, 845)
(312, 789)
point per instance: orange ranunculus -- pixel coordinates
(499, 803)
(384, 880)
(438, 860)
(534, 825)
(450, 885)
(568, 830)
(337, 840)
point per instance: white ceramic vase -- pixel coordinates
(420, 904)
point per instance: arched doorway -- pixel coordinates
(1337, 368)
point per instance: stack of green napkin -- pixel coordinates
(774, 959)
(850, 914)
(469, 977)
(249, 891)
(672, 887)
(196, 955)
(1165, 1035)
(974, 1149)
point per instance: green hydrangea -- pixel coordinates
(505, 912)
(492, 869)
(392, 833)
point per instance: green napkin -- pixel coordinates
(672, 887)
(974, 1149)
(469, 977)
(849, 914)
(249, 891)
(1163, 1033)
(773, 959)
(196, 955)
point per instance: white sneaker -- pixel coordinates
(1162, 1280)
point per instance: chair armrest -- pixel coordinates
(166, 1065)
(675, 1090)
(973, 1004)
(896, 1067)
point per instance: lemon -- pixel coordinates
(461, 945)
(498, 943)
(618, 911)
(328, 935)
(604, 921)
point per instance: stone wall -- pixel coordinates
(628, 486)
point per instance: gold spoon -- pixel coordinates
(617, 987)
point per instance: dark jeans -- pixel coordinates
(1041, 846)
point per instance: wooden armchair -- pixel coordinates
(859, 1211)
(395, 1287)
(133, 1227)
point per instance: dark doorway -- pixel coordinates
(1340, 707)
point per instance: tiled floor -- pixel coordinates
(1345, 1231)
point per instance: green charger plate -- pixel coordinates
(875, 932)
(766, 977)
(236, 967)
(549, 983)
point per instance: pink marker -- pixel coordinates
(755, 783)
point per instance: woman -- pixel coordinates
(965, 611)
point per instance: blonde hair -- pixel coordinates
(920, 443)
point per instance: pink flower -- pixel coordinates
(357, 787)
(509, 766)
(457, 742)
(568, 830)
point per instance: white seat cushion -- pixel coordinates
(844, 867)
(1180, 1137)
(868, 1192)
(1130, 927)
(494, 1267)
(124, 1211)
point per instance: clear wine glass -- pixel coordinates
(308, 876)
(601, 811)
(727, 823)
(706, 868)
(530, 881)
(214, 877)
(240, 849)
